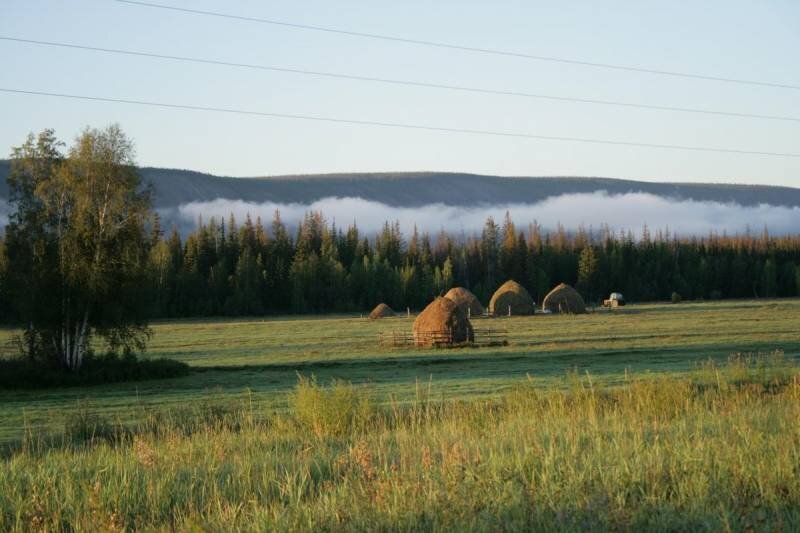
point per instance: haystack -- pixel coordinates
(564, 299)
(442, 323)
(381, 311)
(511, 295)
(467, 301)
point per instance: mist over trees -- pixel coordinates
(230, 267)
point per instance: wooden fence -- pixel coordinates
(442, 339)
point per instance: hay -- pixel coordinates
(381, 311)
(564, 299)
(442, 323)
(467, 301)
(511, 294)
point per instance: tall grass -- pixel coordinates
(717, 449)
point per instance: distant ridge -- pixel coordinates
(413, 189)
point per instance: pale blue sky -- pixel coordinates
(738, 39)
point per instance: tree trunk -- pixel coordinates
(80, 342)
(73, 344)
(31, 339)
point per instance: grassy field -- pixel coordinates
(716, 449)
(612, 420)
(261, 358)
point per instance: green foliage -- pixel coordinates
(797, 279)
(676, 298)
(23, 373)
(769, 279)
(84, 426)
(222, 270)
(587, 272)
(77, 246)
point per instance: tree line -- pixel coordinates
(228, 267)
(84, 254)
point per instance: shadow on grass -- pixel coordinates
(22, 374)
(754, 374)
(557, 360)
(85, 427)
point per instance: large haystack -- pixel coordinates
(564, 299)
(467, 301)
(442, 323)
(511, 295)
(381, 311)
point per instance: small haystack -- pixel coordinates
(381, 311)
(564, 299)
(442, 323)
(467, 301)
(511, 295)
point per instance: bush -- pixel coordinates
(676, 298)
(21, 373)
(334, 410)
(85, 426)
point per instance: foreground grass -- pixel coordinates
(260, 358)
(715, 449)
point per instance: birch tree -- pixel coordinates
(78, 245)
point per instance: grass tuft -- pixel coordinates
(329, 411)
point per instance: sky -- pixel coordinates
(725, 38)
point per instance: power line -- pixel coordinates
(395, 124)
(411, 83)
(436, 44)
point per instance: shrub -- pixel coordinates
(676, 298)
(333, 410)
(22, 373)
(85, 426)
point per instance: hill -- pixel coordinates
(412, 189)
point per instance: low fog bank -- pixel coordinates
(629, 211)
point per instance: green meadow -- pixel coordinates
(261, 357)
(662, 416)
